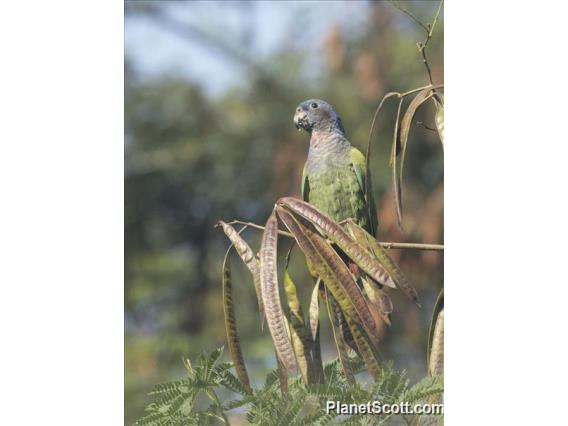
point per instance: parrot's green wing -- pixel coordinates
(359, 166)
(305, 185)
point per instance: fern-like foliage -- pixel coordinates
(300, 404)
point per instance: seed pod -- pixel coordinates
(436, 362)
(435, 351)
(380, 253)
(271, 296)
(314, 311)
(337, 234)
(332, 307)
(231, 325)
(331, 269)
(297, 329)
(249, 259)
(440, 121)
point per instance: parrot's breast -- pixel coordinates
(336, 191)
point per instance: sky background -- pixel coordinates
(262, 26)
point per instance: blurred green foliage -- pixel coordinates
(192, 159)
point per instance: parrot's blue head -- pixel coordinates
(315, 114)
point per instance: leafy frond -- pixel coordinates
(427, 387)
(168, 387)
(230, 381)
(300, 404)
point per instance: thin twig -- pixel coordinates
(435, 18)
(387, 245)
(408, 13)
(254, 225)
(415, 246)
(429, 29)
(422, 49)
(439, 86)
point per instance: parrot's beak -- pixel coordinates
(301, 119)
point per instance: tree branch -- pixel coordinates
(429, 29)
(408, 13)
(387, 245)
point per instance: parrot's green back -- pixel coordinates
(338, 188)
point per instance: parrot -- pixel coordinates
(333, 179)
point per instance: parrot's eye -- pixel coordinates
(314, 105)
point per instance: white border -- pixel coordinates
(61, 225)
(505, 212)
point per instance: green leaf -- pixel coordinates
(228, 380)
(168, 387)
